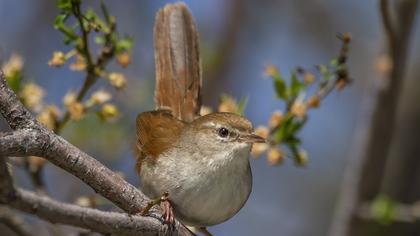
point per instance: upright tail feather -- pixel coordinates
(177, 59)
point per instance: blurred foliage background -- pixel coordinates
(238, 40)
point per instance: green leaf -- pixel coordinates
(59, 24)
(288, 129)
(280, 86)
(65, 5)
(125, 44)
(90, 14)
(93, 21)
(293, 141)
(296, 126)
(67, 40)
(296, 86)
(300, 158)
(99, 39)
(59, 20)
(383, 209)
(334, 62)
(14, 80)
(283, 131)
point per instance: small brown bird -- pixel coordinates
(201, 162)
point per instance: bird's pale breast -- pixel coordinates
(203, 196)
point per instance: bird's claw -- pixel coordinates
(168, 213)
(165, 203)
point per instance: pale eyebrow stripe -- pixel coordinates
(209, 124)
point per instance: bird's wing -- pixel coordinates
(156, 131)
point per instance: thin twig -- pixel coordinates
(84, 46)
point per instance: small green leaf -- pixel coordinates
(59, 20)
(300, 157)
(70, 35)
(334, 62)
(296, 86)
(65, 5)
(14, 80)
(296, 126)
(125, 44)
(293, 141)
(280, 86)
(90, 14)
(93, 21)
(99, 39)
(67, 40)
(283, 131)
(59, 24)
(383, 209)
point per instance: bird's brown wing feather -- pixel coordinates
(157, 131)
(178, 73)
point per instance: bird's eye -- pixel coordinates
(223, 132)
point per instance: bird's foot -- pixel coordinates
(168, 211)
(165, 203)
(204, 231)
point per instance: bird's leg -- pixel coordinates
(165, 203)
(204, 231)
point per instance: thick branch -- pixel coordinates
(11, 108)
(98, 221)
(21, 143)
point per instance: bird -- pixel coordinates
(199, 163)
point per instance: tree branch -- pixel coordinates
(11, 108)
(98, 221)
(56, 212)
(20, 143)
(9, 218)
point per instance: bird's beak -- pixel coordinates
(251, 138)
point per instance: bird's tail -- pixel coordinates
(177, 59)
